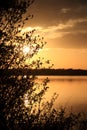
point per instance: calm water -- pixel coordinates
(72, 91)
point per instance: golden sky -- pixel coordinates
(63, 24)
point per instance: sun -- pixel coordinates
(26, 50)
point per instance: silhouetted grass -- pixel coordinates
(56, 120)
(59, 120)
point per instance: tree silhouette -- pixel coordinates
(17, 48)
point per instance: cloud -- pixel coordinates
(52, 12)
(71, 26)
(70, 34)
(50, 32)
(62, 3)
(62, 22)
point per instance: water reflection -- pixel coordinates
(72, 91)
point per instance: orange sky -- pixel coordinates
(67, 58)
(63, 24)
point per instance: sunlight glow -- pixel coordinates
(26, 102)
(26, 49)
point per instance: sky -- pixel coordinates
(63, 24)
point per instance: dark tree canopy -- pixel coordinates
(6, 4)
(14, 115)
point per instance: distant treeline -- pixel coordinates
(71, 72)
(49, 72)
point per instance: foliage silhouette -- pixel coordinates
(13, 112)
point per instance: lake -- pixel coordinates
(72, 91)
